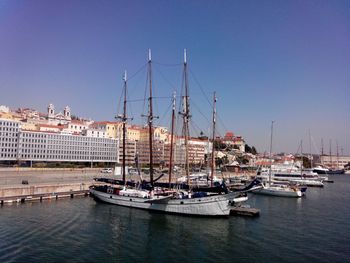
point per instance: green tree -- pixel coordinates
(254, 151)
(306, 162)
(247, 149)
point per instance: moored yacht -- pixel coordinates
(279, 190)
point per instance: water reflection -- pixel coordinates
(310, 229)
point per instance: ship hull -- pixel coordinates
(216, 205)
(278, 192)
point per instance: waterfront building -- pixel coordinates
(235, 141)
(44, 146)
(29, 126)
(77, 126)
(6, 113)
(4, 109)
(143, 151)
(59, 118)
(159, 133)
(112, 129)
(197, 151)
(95, 133)
(48, 128)
(50, 146)
(133, 132)
(130, 152)
(9, 131)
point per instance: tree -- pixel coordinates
(219, 145)
(254, 151)
(247, 149)
(306, 162)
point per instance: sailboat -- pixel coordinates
(277, 189)
(164, 199)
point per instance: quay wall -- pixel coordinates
(37, 169)
(22, 193)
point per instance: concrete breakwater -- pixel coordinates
(26, 184)
(40, 192)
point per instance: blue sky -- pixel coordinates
(287, 61)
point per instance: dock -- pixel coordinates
(244, 211)
(40, 192)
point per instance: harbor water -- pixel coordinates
(315, 228)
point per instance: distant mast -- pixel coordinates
(322, 151)
(271, 153)
(311, 157)
(213, 140)
(172, 138)
(337, 154)
(330, 153)
(186, 117)
(302, 158)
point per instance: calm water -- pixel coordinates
(312, 229)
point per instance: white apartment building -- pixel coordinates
(197, 149)
(96, 133)
(53, 146)
(9, 131)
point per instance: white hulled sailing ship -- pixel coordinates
(168, 200)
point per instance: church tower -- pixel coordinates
(51, 111)
(66, 113)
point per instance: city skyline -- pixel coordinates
(288, 62)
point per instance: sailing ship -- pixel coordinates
(323, 170)
(166, 199)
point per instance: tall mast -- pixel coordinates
(213, 140)
(330, 152)
(271, 153)
(150, 118)
(302, 159)
(124, 118)
(322, 151)
(337, 154)
(311, 157)
(186, 118)
(172, 138)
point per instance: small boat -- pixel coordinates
(279, 190)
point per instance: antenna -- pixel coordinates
(185, 56)
(149, 55)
